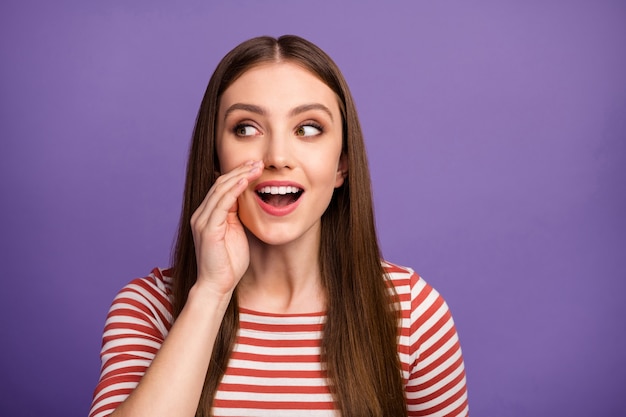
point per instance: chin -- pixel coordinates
(281, 235)
(270, 239)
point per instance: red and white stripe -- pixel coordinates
(275, 368)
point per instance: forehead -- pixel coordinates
(279, 86)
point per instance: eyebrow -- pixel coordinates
(262, 112)
(313, 106)
(246, 107)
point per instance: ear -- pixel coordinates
(342, 170)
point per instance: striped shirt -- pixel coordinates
(275, 368)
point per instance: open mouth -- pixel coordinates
(279, 196)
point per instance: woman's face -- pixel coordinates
(285, 116)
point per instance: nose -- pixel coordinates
(278, 152)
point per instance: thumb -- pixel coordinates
(234, 207)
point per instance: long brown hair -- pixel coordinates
(359, 344)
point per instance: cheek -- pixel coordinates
(230, 158)
(226, 164)
(330, 165)
(327, 172)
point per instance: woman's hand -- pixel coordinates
(222, 252)
(172, 384)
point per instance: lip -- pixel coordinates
(272, 210)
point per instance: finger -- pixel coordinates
(235, 207)
(227, 182)
(228, 187)
(226, 206)
(220, 180)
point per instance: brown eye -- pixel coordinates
(308, 130)
(245, 130)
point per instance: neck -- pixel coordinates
(283, 279)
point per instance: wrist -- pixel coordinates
(204, 296)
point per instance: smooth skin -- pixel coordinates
(273, 259)
(283, 115)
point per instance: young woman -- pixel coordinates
(278, 303)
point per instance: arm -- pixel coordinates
(437, 385)
(173, 382)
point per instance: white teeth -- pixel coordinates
(288, 189)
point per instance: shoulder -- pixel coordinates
(147, 297)
(427, 332)
(405, 281)
(138, 322)
(157, 284)
(418, 300)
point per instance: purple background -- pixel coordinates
(496, 134)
